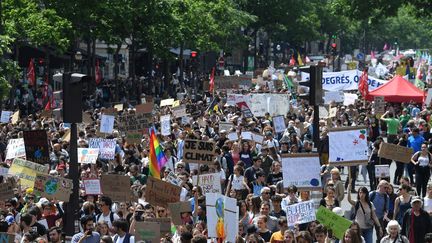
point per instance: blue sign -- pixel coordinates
(360, 56)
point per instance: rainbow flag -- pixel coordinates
(157, 158)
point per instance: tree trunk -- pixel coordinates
(93, 66)
(88, 61)
(116, 71)
(181, 67)
(132, 67)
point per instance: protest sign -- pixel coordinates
(300, 213)
(135, 122)
(279, 124)
(166, 102)
(36, 146)
(274, 104)
(106, 147)
(337, 224)
(160, 193)
(225, 126)
(179, 111)
(349, 99)
(147, 231)
(87, 118)
(333, 96)
(232, 82)
(348, 146)
(323, 112)
(176, 103)
(7, 238)
(165, 122)
(379, 104)
(173, 179)
(165, 224)
(222, 212)
(197, 151)
(258, 138)
(232, 136)
(144, 108)
(15, 148)
(53, 187)
(395, 152)
(117, 187)
(6, 191)
(107, 124)
(26, 171)
(15, 117)
(5, 116)
(87, 155)
(92, 186)
(245, 109)
(180, 212)
(118, 107)
(210, 183)
(246, 135)
(306, 175)
(382, 171)
(333, 111)
(133, 137)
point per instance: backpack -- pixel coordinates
(417, 155)
(373, 195)
(356, 207)
(111, 217)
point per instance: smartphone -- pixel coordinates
(138, 215)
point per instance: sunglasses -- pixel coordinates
(180, 167)
(161, 211)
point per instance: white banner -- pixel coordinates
(348, 146)
(306, 173)
(222, 213)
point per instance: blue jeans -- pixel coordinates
(367, 235)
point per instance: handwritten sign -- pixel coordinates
(144, 108)
(165, 125)
(196, 151)
(133, 137)
(300, 213)
(88, 155)
(210, 183)
(118, 107)
(232, 136)
(395, 152)
(160, 193)
(165, 224)
(5, 116)
(107, 124)
(245, 109)
(307, 171)
(179, 111)
(135, 122)
(246, 135)
(382, 171)
(36, 146)
(348, 146)
(225, 126)
(279, 124)
(173, 179)
(26, 171)
(258, 138)
(15, 148)
(117, 187)
(147, 231)
(106, 147)
(337, 224)
(166, 102)
(92, 186)
(52, 187)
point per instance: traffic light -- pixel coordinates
(194, 54)
(334, 45)
(72, 96)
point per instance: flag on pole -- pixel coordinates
(292, 61)
(288, 82)
(98, 75)
(212, 77)
(299, 59)
(363, 86)
(157, 158)
(31, 75)
(307, 59)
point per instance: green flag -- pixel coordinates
(288, 82)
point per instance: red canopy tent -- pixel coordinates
(398, 90)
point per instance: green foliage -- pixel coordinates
(8, 68)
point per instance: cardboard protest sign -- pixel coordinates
(279, 124)
(382, 171)
(36, 146)
(147, 231)
(379, 104)
(300, 213)
(165, 122)
(107, 124)
(26, 171)
(245, 109)
(106, 147)
(225, 126)
(160, 193)
(5, 116)
(196, 151)
(15, 117)
(210, 183)
(92, 186)
(222, 212)
(165, 224)
(179, 111)
(395, 152)
(166, 102)
(53, 187)
(133, 137)
(180, 212)
(144, 108)
(7, 238)
(15, 149)
(232, 136)
(135, 122)
(306, 174)
(337, 224)
(117, 187)
(258, 138)
(88, 155)
(348, 146)
(6, 191)
(87, 118)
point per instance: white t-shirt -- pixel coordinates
(428, 204)
(120, 239)
(423, 160)
(107, 219)
(237, 182)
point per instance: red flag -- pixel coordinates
(31, 76)
(292, 61)
(98, 75)
(386, 47)
(212, 77)
(363, 86)
(48, 105)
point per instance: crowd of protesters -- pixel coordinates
(249, 171)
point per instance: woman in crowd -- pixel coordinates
(289, 236)
(350, 236)
(393, 233)
(422, 161)
(276, 174)
(237, 182)
(402, 203)
(235, 152)
(263, 231)
(246, 154)
(337, 184)
(330, 201)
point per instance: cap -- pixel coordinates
(339, 211)
(416, 199)
(10, 219)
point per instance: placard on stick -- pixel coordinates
(197, 151)
(160, 193)
(26, 171)
(395, 152)
(92, 186)
(348, 146)
(52, 187)
(117, 187)
(36, 146)
(279, 124)
(379, 104)
(306, 175)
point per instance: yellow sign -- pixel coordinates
(26, 171)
